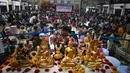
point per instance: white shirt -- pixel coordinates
(47, 17)
(32, 19)
(74, 29)
(86, 24)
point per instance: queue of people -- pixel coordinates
(64, 24)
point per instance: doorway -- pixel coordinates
(3, 8)
(117, 12)
(10, 7)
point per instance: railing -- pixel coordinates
(102, 37)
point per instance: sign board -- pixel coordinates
(64, 8)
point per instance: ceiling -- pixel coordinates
(92, 2)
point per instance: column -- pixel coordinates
(23, 5)
(114, 11)
(111, 9)
(9, 2)
(20, 5)
(13, 5)
(7, 5)
(100, 10)
(0, 10)
(123, 9)
(103, 9)
(80, 6)
(108, 10)
(33, 5)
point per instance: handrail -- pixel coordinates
(37, 33)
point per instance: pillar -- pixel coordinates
(123, 9)
(114, 11)
(7, 4)
(111, 9)
(23, 5)
(108, 9)
(103, 9)
(100, 8)
(0, 11)
(20, 5)
(13, 5)
(33, 4)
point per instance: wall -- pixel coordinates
(77, 2)
(110, 8)
(73, 2)
(4, 3)
(10, 2)
(51, 1)
(16, 3)
(24, 4)
(36, 7)
(39, 1)
(117, 6)
(127, 6)
(65, 1)
(105, 7)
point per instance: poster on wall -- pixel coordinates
(64, 8)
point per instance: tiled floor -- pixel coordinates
(3, 57)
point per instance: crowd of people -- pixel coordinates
(63, 24)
